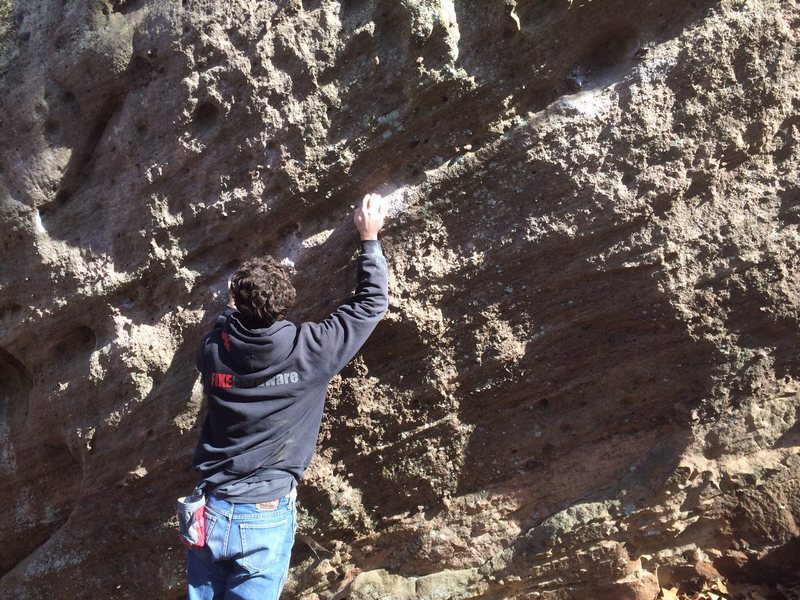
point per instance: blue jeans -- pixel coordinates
(247, 551)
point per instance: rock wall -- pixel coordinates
(588, 383)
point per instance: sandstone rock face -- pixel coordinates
(588, 382)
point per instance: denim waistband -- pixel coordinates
(245, 510)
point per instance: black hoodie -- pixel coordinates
(265, 389)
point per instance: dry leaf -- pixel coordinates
(669, 594)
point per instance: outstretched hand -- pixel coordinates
(369, 216)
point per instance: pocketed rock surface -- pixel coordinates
(588, 382)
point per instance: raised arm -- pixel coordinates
(346, 330)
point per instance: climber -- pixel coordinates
(265, 381)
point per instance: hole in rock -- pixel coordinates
(46, 485)
(14, 377)
(79, 341)
(662, 205)
(63, 196)
(11, 313)
(43, 480)
(127, 6)
(205, 115)
(604, 59)
(140, 71)
(60, 199)
(628, 179)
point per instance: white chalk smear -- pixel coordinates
(397, 201)
(590, 103)
(317, 239)
(37, 222)
(288, 251)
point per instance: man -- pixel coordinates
(265, 381)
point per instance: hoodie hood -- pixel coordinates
(254, 350)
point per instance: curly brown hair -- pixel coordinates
(262, 292)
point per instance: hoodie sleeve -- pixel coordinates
(343, 333)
